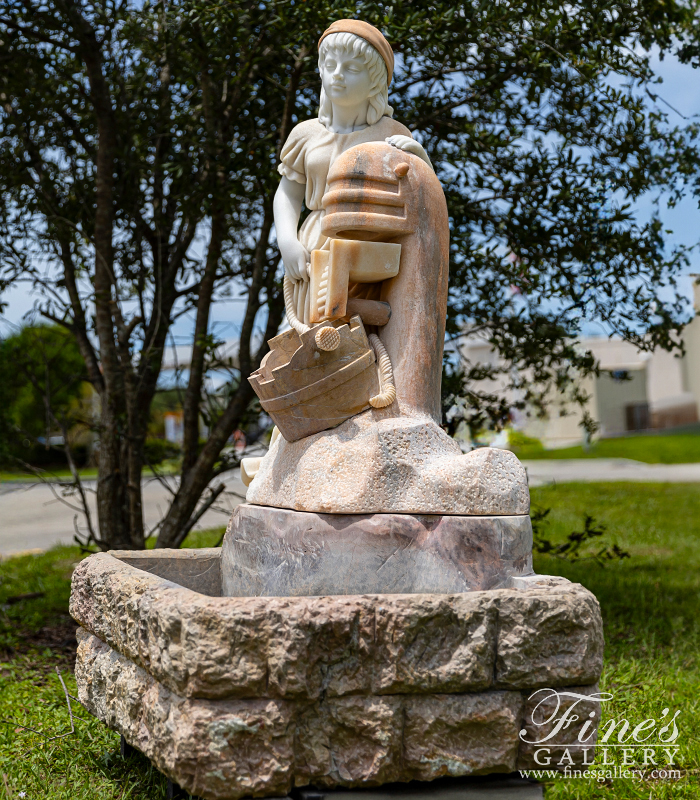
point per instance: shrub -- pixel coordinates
(156, 451)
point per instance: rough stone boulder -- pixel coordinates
(377, 462)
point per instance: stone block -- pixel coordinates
(305, 647)
(229, 749)
(221, 750)
(319, 646)
(466, 734)
(203, 647)
(434, 643)
(106, 600)
(196, 645)
(350, 741)
(570, 744)
(549, 636)
(279, 552)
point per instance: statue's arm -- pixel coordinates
(410, 146)
(287, 210)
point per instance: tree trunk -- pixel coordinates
(111, 495)
(193, 395)
(112, 476)
(176, 525)
(133, 462)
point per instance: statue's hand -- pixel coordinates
(409, 145)
(295, 258)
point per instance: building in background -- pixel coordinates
(635, 391)
(174, 426)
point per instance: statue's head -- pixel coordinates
(356, 65)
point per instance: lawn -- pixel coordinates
(651, 611)
(88, 474)
(36, 637)
(653, 449)
(650, 603)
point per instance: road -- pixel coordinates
(608, 469)
(33, 518)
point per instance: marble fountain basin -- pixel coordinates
(250, 696)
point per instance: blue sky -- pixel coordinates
(680, 89)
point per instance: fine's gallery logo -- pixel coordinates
(561, 733)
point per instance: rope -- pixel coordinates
(387, 393)
(387, 390)
(290, 308)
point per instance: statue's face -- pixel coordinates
(345, 79)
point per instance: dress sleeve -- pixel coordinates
(395, 127)
(293, 156)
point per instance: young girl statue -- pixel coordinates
(356, 65)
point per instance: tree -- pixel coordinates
(132, 128)
(119, 148)
(43, 376)
(43, 380)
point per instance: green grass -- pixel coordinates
(650, 604)
(653, 449)
(36, 637)
(49, 474)
(88, 474)
(82, 765)
(208, 538)
(651, 611)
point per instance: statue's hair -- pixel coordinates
(379, 90)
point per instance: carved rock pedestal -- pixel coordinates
(234, 697)
(378, 462)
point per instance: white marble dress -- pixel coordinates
(306, 158)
